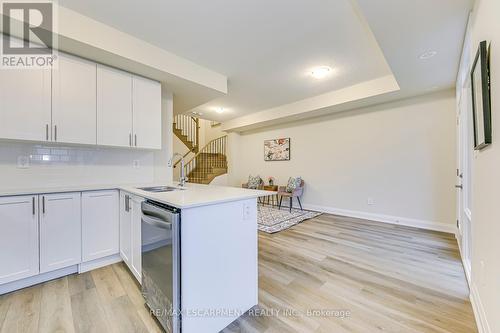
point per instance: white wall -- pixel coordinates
(67, 165)
(162, 172)
(401, 154)
(485, 25)
(212, 132)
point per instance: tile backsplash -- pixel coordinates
(60, 165)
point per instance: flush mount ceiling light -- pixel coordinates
(219, 110)
(320, 72)
(427, 55)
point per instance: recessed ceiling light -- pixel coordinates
(427, 55)
(197, 113)
(321, 72)
(219, 110)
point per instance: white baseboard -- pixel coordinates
(477, 306)
(27, 282)
(422, 224)
(98, 263)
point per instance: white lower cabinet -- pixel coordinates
(18, 238)
(100, 224)
(126, 228)
(130, 232)
(46, 233)
(60, 231)
(136, 266)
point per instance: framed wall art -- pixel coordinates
(277, 150)
(481, 103)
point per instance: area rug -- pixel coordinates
(270, 219)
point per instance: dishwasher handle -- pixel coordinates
(150, 209)
(156, 222)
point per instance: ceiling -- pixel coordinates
(267, 48)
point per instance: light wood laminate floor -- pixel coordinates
(386, 278)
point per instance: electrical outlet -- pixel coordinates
(246, 211)
(370, 201)
(136, 164)
(23, 162)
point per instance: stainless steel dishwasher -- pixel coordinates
(161, 263)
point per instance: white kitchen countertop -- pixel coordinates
(194, 195)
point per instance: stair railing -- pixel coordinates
(212, 155)
(189, 127)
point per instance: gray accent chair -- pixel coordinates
(260, 187)
(296, 193)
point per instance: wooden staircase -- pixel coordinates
(187, 129)
(208, 162)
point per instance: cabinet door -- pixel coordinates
(126, 228)
(18, 238)
(60, 231)
(100, 224)
(136, 238)
(74, 101)
(114, 107)
(25, 110)
(146, 100)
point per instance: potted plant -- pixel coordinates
(270, 181)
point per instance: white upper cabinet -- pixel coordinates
(100, 224)
(25, 112)
(146, 101)
(18, 238)
(60, 231)
(80, 102)
(114, 107)
(74, 101)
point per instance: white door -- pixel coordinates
(25, 110)
(18, 238)
(100, 224)
(74, 101)
(60, 231)
(114, 107)
(146, 101)
(136, 238)
(126, 228)
(464, 175)
(465, 153)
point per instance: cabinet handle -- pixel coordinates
(43, 204)
(33, 202)
(55, 132)
(126, 203)
(130, 139)
(47, 132)
(135, 139)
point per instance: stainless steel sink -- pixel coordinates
(159, 189)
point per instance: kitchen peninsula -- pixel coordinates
(80, 229)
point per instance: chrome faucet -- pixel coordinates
(183, 179)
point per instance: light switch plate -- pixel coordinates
(370, 201)
(23, 162)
